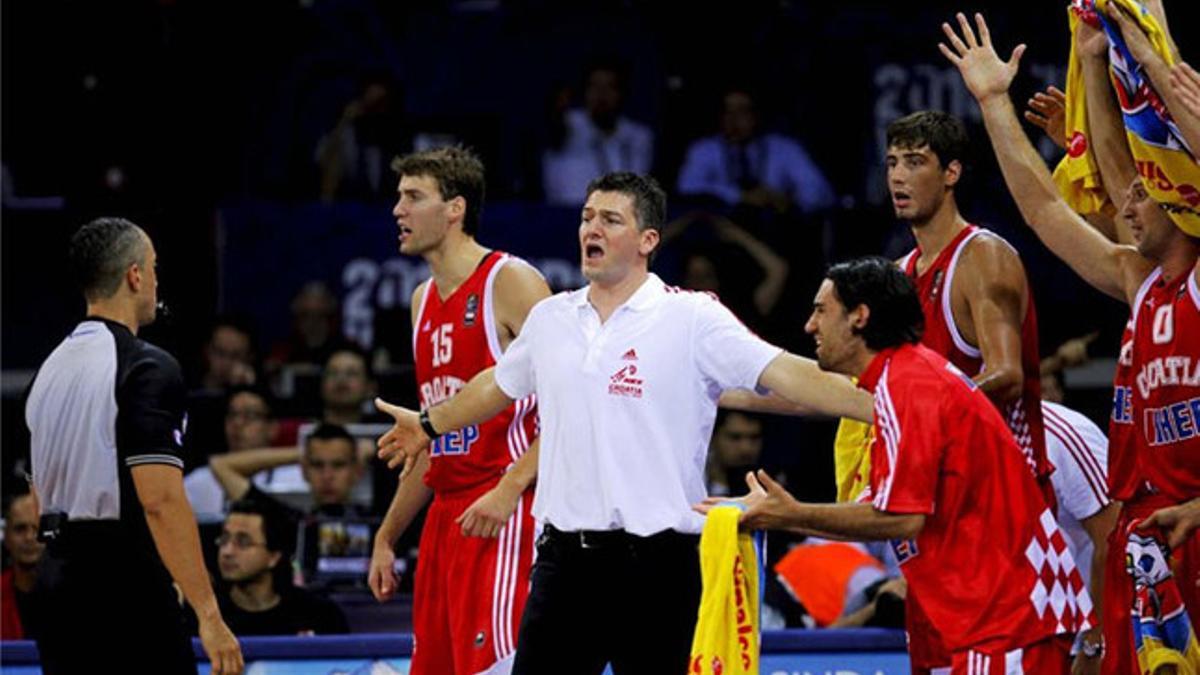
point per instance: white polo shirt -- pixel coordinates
(627, 406)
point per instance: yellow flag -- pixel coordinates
(852, 458)
(1166, 164)
(1077, 175)
(726, 641)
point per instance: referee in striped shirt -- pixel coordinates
(106, 419)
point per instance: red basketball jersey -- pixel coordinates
(991, 568)
(1024, 416)
(453, 339)
(1166, 387)
(1125, 477)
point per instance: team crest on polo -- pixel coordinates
(625, 382)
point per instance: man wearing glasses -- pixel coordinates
(257, 596)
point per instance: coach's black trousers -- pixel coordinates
(610, 597)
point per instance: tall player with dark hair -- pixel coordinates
(979, 313)
(476, 549)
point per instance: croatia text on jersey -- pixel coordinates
(1168, 371)
(439, 389)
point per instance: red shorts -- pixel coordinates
(469, 591)
(1120, 655)
(1051, 656)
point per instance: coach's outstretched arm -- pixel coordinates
(802, 382)
(1115, 270)
(478, 401)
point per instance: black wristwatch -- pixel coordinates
(426, 425)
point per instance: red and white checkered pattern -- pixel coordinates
(1018, 423)
(1059, 586)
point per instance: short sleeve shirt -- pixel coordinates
(627, 405)
(990, 556)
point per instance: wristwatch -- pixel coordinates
(426, 425)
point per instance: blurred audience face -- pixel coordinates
(737, 443)
(602, 97)
(331, 468)
(314, 314)
(700, 274)
(20, 532)
(738, 119)
(243, 556)
(1152, 229)
(248, 422)
(229, 358)
(345, 384)
(421, 214)
(918, 182)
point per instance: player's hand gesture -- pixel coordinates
(404, 440)
(381, 576)
(222, 647)
(1048, 112)
(768, 506)
(486, 516)
(984, 73)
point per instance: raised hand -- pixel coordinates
(1185, 81)
(404, 440)
(985, 74)
(1048, 112)
(1090, 41)
(1137, 42)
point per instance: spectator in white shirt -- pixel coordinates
(597, 139)
(628, 373)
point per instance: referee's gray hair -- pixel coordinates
(101, 252)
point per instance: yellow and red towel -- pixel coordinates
(726, 641)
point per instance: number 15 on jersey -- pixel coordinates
(443, 344)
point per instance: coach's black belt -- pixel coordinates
(599, 539)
